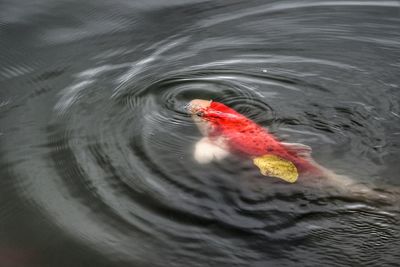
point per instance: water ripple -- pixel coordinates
(96, 141)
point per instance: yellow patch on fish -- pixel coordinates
(271, 165)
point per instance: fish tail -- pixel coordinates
(349, 187)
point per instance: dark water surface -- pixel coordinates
(96, 158)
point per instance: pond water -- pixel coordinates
(96, 147)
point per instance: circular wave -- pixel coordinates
(109, 160)
(127, 153)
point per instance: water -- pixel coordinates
(96, 159)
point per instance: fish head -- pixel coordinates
(209, 115)
(197, 108)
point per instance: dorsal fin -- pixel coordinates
(300, 150)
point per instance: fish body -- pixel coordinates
(226, 131)
(233, 132)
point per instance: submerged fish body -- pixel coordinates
(235, 133)
(226, 131)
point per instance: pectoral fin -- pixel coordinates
(271, 165)
(206, 151)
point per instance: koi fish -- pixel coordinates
(226, 131)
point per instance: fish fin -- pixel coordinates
(300, 150)
(205, 151)
(271, 165)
